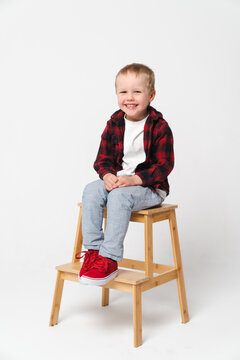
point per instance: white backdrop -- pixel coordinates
(58, 61)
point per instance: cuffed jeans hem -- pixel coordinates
(105, 254)
(91, 247)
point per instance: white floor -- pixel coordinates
(87, 330)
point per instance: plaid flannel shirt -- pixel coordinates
(158, 146)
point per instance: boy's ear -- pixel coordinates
(153, 95)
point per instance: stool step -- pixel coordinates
(71, 271)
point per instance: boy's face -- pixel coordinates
(133, 95)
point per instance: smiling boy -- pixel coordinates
(133, 161)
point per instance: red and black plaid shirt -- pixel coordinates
(158, 146)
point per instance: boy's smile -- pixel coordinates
(133, 95)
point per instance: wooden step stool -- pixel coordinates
(129, 280)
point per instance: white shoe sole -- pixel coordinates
(94, 281)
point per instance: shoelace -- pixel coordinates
(101, 264)
(89, 258)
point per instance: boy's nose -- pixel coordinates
(130, 96)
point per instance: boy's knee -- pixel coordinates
(121, 197)
(92, 188)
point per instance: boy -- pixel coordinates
(133, 161)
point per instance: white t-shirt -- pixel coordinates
(133, 149)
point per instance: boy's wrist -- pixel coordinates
(106, 173)
(137, 180)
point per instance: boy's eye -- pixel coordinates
(124, 92)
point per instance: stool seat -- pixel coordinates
(133, 275)
(156, 209)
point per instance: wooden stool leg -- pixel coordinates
(78, 237)
(56, 300)
(137, 315)
(105, 291)
(178, 265)
(148, 246)
(105, 296)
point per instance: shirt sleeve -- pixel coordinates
(104, 162)
(162, 158)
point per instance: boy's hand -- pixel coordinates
(129, 181)
(110, 181)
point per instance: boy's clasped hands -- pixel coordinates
(112, 181)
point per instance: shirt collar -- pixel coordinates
(153, 114)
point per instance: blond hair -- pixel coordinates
(139, 69)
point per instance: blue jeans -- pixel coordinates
(120, 202)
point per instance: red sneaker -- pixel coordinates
(101, 272)
(89, 258)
